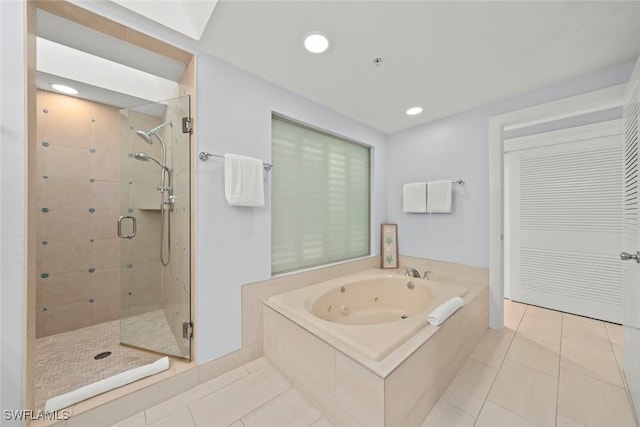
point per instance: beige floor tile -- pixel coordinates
(512, 323)
(540, 325)
(513, 313)
(254, 365)
(526, 392)
(180, 418)
(583, 319)
(184, 399)
(618, 351)
(616, 333)
(444, 414)
(492, 347)
(514, 309)
(322, 422)
(237, 424)
(567, 422)
(542, 313)
(592, 402)
(543, 356)
(290, 409)
(138, 420)
(493, 415)
(469, 388)
(595, 362)
(593, 334)
(239, 398)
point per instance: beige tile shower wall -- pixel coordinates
(141, 273)
(78, 201)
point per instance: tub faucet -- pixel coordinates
(410, 271)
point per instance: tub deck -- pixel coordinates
(374, 341)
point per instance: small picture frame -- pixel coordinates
(389, 245)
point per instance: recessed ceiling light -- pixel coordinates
(413, 111)
(316, 42)
(64, 89)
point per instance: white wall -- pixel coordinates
(457, 147)
(234, 243)
(12, 205)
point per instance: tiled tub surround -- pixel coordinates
(400, 389)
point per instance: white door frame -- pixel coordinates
(598, 100)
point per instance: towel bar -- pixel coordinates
(204, 156)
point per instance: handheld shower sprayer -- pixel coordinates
(145, 157)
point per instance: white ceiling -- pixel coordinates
(447, 56)
(187, 17)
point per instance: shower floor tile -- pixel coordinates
(65, 362)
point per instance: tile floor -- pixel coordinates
(545, 368)
(65, 361)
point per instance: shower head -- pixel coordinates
(147, 135)
(144, 135)
(145, 157)
(157, 128)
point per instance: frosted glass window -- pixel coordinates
(319, 196)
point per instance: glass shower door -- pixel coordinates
(154, 227)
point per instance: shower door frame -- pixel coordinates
(182, 210)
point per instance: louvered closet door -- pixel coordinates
(565, 220)
(631, 240)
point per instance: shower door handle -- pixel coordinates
(133, 231)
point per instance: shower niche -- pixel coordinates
(154, 227)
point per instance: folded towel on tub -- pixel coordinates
(444, 310)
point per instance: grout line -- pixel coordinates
(317, 419)
(191, 415)
(557, 412)
(497, 370)
(596, 378)
(269, 401)
(533, 369)
(456, 406)
(213, 392)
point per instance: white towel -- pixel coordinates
(414, 197)
(439, 196)
(243, 180)
(102, 386)
(444, 310)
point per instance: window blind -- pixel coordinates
(319, 197)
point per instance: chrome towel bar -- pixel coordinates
(204, 156)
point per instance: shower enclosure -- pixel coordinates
(154, 227)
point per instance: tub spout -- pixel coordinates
(410, 271)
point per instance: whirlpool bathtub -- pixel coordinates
(371, 313)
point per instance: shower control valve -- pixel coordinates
(163, 189)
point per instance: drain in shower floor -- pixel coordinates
(102, 355)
